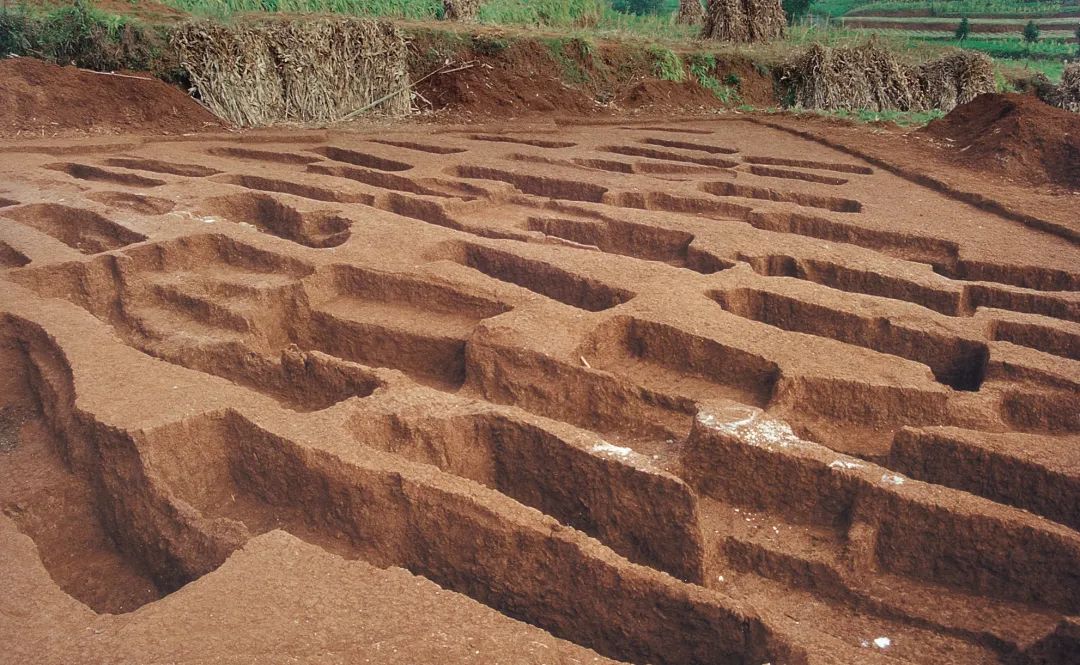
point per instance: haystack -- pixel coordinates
(850, 78)
(1067, 95)
(461, 10)
(954, 79)
(870, 77)
(690, 13)
(296, 70)
(744, 21)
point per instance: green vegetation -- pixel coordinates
(639, 7)
(571, 54)
(82, 35)
(1011, 48)
(703, 69)
(1026, 48)
(77, 32)
(835, 8)
(963, 30)
(1031, 32)
(598, 16)
(796, 9)
(902, 118)
(938, 7)
(667, 65)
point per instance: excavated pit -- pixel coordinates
(664, 394)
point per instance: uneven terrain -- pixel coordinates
(653, 392)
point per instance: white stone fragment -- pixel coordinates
(609, 449)
(892, 479)
(844, 464)
(882, 642)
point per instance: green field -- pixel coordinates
(597, 16)
(1056, 44)
(837, 8)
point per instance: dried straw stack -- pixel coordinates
(849, 78)
(744, 21)
(318, 70)
(1067, 95)
(954, 79)
(690, 13)
(870, 77)
(461, 10)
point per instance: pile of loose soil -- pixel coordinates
(657, 94)
(1017, 134)
(42, 99)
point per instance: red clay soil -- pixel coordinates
(660, 95)
(42, 99)
(1015, 134)
(520, 80)
(518, 76)
(669, 392)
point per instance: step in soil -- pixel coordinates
(700, 392)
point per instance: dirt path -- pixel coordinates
(695, 392)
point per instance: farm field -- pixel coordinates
(995, 28)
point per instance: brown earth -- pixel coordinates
(1016, 134)
(42, 99)
(653, 391)
(515, 75)
(747, 389)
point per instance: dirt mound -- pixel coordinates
(1014, 133)
(42, 99)
(501, 79)
(657, 94)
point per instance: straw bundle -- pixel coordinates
(690, 13)
(1067, 95)
(234, 71)
(305, 70)
(850, 78)
(956, 78)
(461, 10)
(869, 77)
(744, 21)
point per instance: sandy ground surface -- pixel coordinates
(732, 390)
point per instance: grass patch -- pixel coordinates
(85, 36)
(570, 53)
(667, 65)
(1014, 49)
(703, 68)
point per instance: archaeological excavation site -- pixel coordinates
(507, 385)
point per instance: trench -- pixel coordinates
(82, 230)
(955, 362)
(541, 278)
